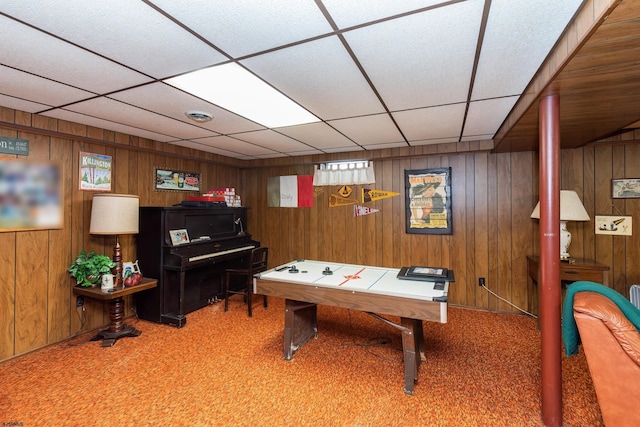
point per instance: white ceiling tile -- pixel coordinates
(421, 60)
(235, 145)
(433, 141)
(147, 39)
(210, 149)
(273, 140)
(346, 149)
(384, 146)
(350, 13)
(318, 135)
(477, 137)
(153, 97)
(319, 75)
(368, 130)
(518, 38)
(37, 89)
(21, 104)
(484, 117)
(431, 123)
(119, 112)
(38, 53)
(242, 27)
(72, 116)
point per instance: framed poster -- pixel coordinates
(428, 201)
(627, 188)
(30, 195)
(176, 180)
(95, 172)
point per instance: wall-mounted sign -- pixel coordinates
(614, 225)
(14, 146)
(95, 172)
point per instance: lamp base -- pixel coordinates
(565, 241)
(117, 270)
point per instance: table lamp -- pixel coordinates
(115, 214)
(571, 209)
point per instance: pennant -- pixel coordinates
(335, 200)
(345, 191)
(373, 195)
(363, 210)
(291, 191)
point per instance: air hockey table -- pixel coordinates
(375, 290)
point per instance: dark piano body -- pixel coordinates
(189, 275)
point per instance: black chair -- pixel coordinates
(257, 262)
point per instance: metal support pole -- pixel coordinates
(550, 292)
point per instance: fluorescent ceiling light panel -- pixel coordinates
(232, 87)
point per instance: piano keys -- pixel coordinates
(190, 275)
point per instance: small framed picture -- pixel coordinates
(133, 267)
(179, 237)
(626, 188)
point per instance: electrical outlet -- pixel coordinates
(79, 301)
(481, 282)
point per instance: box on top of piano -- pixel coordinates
(206, 198)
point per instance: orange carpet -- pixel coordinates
(225, 369)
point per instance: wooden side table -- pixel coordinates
(117, 328)
(579, 269)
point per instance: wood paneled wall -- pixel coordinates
(493, 196)
(37, 304)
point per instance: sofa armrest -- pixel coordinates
(602, 308)
(611, 345)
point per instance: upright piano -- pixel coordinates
(190, 275)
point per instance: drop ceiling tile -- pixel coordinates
(369, 130)
(235, 145)
(433, 141)
(119, 112)
(351, 13)
(343, 149)
(477, 137)
(423, 59)
(531, 28)
(272, 140)
(384, 146)
(318, 135)
(148, 37)
(38, 53)
(321, 76)
(21, 104)
(485, 117)
(243, 27)
(155, 97)
(29, 87)
(431, 123)
(72, 116)
(211, 149)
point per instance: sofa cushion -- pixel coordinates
(602, 308)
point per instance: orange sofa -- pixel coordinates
(612, 347)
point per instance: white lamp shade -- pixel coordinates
(114, 214)
(571, 208)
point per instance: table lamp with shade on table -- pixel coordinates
(112, 215)
(571, 209)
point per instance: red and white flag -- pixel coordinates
(291, 191)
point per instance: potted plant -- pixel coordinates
(88, 268)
